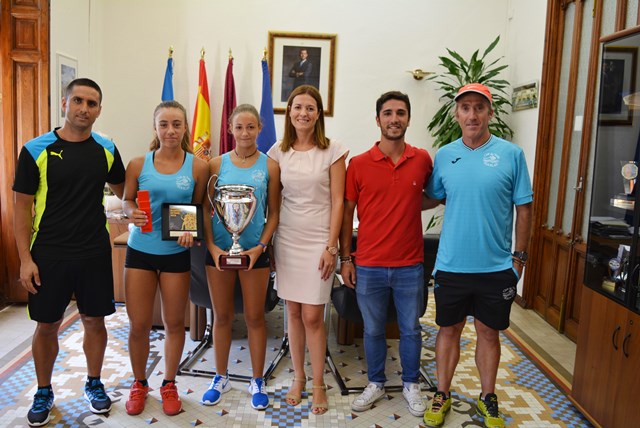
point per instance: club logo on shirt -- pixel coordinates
(259, 178)
(183, 182)
(59, 154)
(491, 159)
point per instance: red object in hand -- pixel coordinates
(144, 204)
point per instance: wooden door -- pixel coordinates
(24, 98)
(562, 172)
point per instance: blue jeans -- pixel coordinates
(374, 285)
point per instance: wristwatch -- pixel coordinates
(332, 250)
(521, 255)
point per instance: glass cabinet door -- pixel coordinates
(613, 265)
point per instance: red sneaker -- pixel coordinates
(137, 397)
(171, 403)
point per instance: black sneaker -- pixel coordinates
(40, 412)
(99, 401)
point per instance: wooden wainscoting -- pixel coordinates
(557, 297)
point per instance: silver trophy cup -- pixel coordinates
(235, 205)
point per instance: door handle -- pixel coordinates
(624, 345)
(614, 338)
(578, 188)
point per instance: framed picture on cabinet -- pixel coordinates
(67, 70)
(301, 59)
(619, 68)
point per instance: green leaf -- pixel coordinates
(491, 46)
(458, 72)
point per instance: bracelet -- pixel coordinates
(345, 259)
(519, 261)
(264, 246)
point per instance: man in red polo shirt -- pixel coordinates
(386, 183)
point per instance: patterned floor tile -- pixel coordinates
(527, 396)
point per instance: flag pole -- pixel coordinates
(230, 55)
(202, 53)
(170, 51)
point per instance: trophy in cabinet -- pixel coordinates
(609, 282)
(618, 270)
(629, 173)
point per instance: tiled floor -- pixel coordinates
(234, 410)
(561, 352)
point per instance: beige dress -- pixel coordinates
(303, 231)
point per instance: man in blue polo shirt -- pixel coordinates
(481, 177)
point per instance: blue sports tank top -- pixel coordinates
(162, 188)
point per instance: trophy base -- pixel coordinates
(234, 262)
(608, 285)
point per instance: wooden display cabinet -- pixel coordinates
(606, 379)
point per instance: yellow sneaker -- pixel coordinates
(437, 409)
(488, 409)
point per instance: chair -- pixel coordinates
(199, 295)
(430, 251)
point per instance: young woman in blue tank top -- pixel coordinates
(170, 173)
(243, 165)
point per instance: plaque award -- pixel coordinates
(180, 218)
(235, 205)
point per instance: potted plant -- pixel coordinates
(460, 72)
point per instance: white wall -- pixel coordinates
(69, 36)
(377, 42)
(123, 45)
(524, 52)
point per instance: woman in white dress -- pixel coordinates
(313, 177)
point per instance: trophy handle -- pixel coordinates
(211, 190)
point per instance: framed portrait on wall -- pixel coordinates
(619, 67)
(67, 70)
(301, 59)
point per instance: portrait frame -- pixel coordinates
(66, 71)
(617, 81)
(285, 50)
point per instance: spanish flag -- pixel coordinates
(201, 131)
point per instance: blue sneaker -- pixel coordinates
(219, 385)
(40, 412)
(258, 391)
(99, 401)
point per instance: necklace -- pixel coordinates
(244, 158)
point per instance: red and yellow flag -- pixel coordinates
(201, 125)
